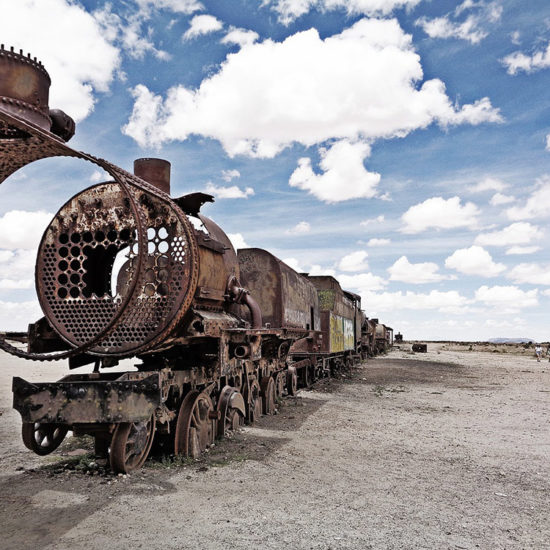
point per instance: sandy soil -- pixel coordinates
(448, 449)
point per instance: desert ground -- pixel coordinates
(448, 449)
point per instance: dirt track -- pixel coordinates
(444, 450)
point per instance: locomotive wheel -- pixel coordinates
(234, 420)
(291, 381)
(306, 377)
(253, 402)
(195, 428)
(279, 385)
(131, 444)
(268, 395)
(43, 438)
(229, 417)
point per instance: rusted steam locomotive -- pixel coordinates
(124, 270)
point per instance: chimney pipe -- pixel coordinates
(154, 171)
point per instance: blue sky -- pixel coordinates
(400, 145)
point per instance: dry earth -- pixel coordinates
(448, 449)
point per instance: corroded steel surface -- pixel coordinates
(74, 275)
(24, 89)
(155, 171)
(286, 298)
(127, 322)
(85, 398)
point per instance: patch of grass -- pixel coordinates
(169, 461)
(84, 463)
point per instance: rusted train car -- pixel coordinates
(125, 270)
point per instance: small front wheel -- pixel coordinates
(131, 444)
(43, 438)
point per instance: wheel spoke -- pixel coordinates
(195, 418)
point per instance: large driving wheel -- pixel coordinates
(43, 438)
(253, 401)
(291, 381)
(131, 444)
(196, 425)
(280, 384)
(268, 395)
(231, 409)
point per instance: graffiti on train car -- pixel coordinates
(349, 337)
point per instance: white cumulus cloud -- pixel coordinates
(474, 261)
(522, 250)
(511, 298)
(301, 228)
(447, 302)
(270, 94)
(294, 264)
(232, 192)
(420, 273)
(515, 234)
(229, 175)
(17, 269)
(289, 10)
(499, 199)
(18, 315)
(126, 30)
(320, 270)
(519, 61)
(473, 28)
(70, 43)
(237, 240)
(344, 175)
(532, 273)
(241, 37)
(23, 229)
(177, 6)
(537, 205)
(378, 242)
(488, 184)
(202, 24)
(362, 283)
(439, 213)
(370, 221)
(355, 261)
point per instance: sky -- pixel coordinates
(402, 146)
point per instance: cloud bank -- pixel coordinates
(270, 95)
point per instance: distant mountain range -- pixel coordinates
(510, 340)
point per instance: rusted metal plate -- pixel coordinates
(134, 213)
(85, 400)
(286, 298)
(341, 333)
(338, 314)
(80, 293)
(24, 88)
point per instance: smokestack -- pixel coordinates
(154, 171)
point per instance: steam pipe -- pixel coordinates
(255, 311)
(239, 295)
